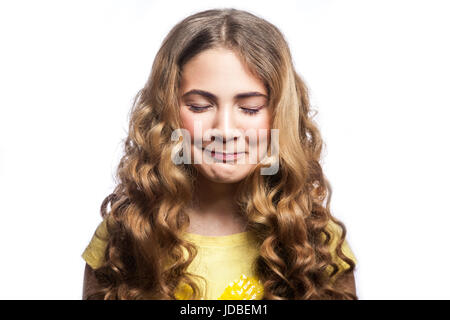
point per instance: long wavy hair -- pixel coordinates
(288, 211)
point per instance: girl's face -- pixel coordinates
(226, 103)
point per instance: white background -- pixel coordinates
(378, 72)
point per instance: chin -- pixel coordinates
(224, 173)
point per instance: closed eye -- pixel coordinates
(250, 111)
(198, 108)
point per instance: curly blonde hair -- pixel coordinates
(288, 212)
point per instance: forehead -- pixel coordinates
(220, 71)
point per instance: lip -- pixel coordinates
(224, 156)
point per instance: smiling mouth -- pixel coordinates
(223, 156)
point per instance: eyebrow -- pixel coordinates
(214, 98)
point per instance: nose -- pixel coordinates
(225, 129)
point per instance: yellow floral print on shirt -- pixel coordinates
(244, 288)
(239, 288)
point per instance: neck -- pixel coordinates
(210, 195)
(214, 209)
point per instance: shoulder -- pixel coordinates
(336, 232)
(93, 254)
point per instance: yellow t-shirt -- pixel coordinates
(226, 262)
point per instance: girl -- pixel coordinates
(194, 215)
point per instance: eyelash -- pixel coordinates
(198, 109)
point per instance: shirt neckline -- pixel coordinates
(229, 240)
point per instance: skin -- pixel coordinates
(213, 212)
(223, 124)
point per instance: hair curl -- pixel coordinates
(288, 211)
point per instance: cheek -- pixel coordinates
(261, 125)
(257, 146)
(260, 121)
(190, 121)
(187, 121)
